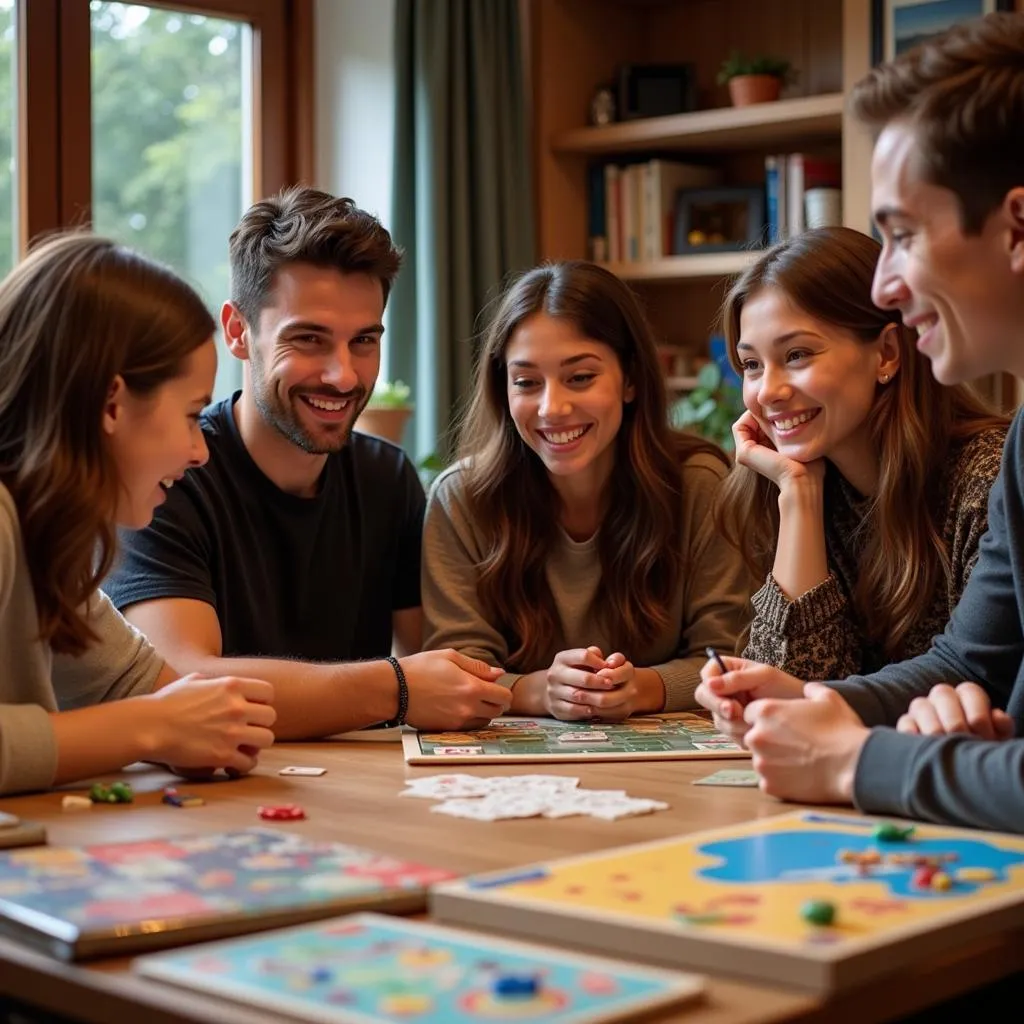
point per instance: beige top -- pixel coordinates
(710, 606)
(35, 682)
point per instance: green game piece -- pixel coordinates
(99, 794)
(887, 832)
(121, 793)
(818, 912)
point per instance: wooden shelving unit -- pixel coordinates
(786, 123)
(711, 265)
(578, 45)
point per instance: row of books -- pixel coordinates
(788, 177)
(632, 206)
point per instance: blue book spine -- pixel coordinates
(771, 191)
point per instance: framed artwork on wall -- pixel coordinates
(899, 25)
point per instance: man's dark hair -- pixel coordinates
(305, 225)
(962, 94)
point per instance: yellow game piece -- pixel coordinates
(975, 875)
(402, 1005)
(941, 881)
(76, 803)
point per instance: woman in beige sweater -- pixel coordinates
(106, 360)
(573, 542)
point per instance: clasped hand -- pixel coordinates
(583, 684)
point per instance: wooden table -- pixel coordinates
(357, 801)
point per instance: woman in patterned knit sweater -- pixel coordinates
(862, 486)
(573, 543)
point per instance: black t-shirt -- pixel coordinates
(314, 579)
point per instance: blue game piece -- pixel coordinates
(516, 986)
(320, 974)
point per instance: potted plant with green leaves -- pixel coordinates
(754, 79)
(387, 411)
(711, 408)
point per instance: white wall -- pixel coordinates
(355, 100)
(355, 104)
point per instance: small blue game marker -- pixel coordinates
(320, 974)
(516, 986)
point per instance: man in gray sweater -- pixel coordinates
(948, 198)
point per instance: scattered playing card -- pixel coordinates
(729, 777)
(525, 796)
(300, 769)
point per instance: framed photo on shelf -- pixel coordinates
(899, 25)
(718, 220)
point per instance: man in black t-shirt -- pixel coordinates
(293, 553)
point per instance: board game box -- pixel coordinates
(116, 898)
(821, 902)
(372, 969)
(687, 734)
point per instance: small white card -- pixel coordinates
(730, 777)
(298, 769)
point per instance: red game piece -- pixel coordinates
(922, 877)
(282, 812)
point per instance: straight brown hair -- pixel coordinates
(75, 314)
(827, 273)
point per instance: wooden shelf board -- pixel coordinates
(677, 268)
(777, 124)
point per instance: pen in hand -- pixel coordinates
(714, 656)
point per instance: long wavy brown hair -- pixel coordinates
(511, 497)
(914, 422)
(75, 314)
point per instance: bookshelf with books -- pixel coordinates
(606, 192)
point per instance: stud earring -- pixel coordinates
(884, 379)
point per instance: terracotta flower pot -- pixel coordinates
(387, 423)
(747, 89)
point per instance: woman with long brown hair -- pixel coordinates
(573, 543)
(862, 486)
(106, 360)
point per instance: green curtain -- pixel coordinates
(463, 199)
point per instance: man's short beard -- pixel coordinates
(281, 419)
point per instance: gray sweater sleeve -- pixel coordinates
(957, 779)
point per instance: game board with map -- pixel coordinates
(81, 901)
(688, 734)
(371, 969)
(734, 900)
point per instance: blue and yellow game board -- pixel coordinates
(737, 900)
(371, 969)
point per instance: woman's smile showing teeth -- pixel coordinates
(563, 438)
(786, 423)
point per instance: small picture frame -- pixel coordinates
(656, 90)
(899, 25)
(719, 220)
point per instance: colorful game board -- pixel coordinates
(371, 969)
(688, 734)
(76, 902)
(734, 900)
